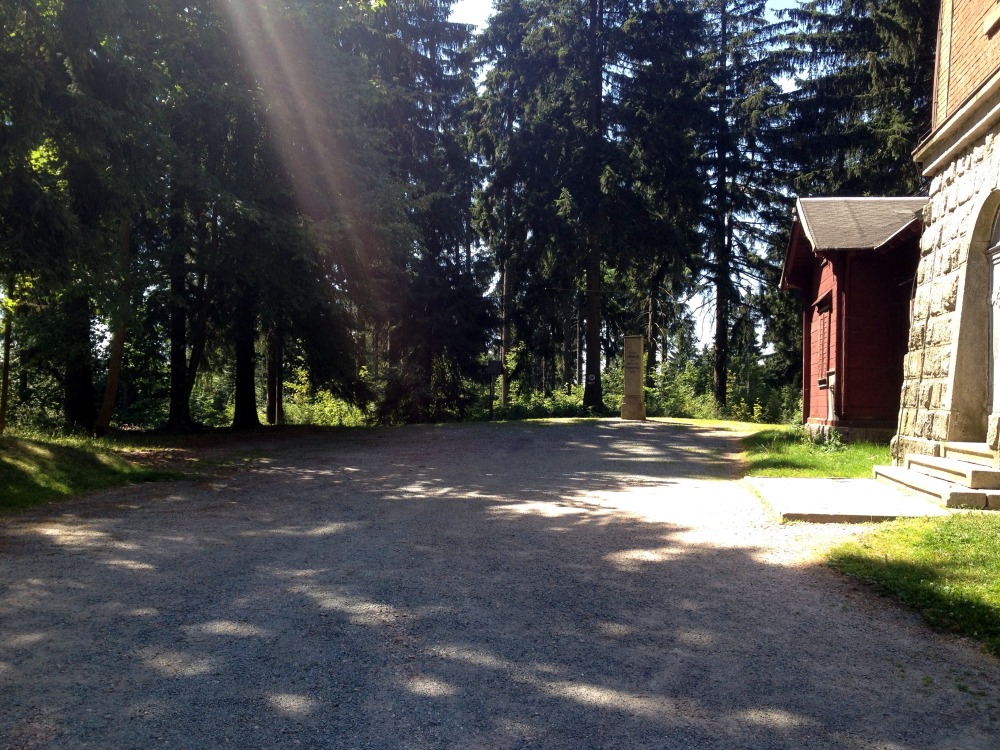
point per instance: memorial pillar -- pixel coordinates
(634, 402)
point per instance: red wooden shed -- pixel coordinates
(854, 261)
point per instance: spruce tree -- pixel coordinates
(862, 95)
(741, 93)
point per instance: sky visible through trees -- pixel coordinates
(233, 211)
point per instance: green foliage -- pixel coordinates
(539, 406)
(682, 388)
(948, 568)
(211, 400)
(306, 405)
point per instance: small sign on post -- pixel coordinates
(634, 402)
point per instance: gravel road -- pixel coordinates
(591, 585)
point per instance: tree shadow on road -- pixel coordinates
(457, 588)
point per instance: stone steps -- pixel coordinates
(973, 453)
(973, 476)
(966, 475)
(947, 493)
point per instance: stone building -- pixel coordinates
(951, 387)
(950, 404)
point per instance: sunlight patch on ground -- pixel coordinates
(359, 611)
(598, 696)
(696, 638)
(25, 640)
(231, 628)
(772, 717)
(79, 536)
(128, 564)
(38, 450)
(632, 560)
(472, 656)
(327, 529)
(429, 687)
(545, 509)
(176, 663)
(538, 676)
(292, 704)
(644, 502)
(615, 629)
(84, 537)
(424, 489)
(297, 472)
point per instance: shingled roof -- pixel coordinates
(855, 223)
(825, 225)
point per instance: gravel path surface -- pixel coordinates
(586, 585)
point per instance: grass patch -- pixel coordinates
(947, 567)
(37, 470)
(787, 452)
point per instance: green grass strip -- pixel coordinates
(787, 452)
(34, 471)
(948, 568)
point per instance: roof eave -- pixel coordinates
(913, 228)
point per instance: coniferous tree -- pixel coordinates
(741, 92)
(859, 103)
(585, 110)
(862, 94)
(432, 319)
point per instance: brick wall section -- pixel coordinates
(969, 55)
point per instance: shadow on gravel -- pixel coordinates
(461, 587)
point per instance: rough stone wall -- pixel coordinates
(957, 193)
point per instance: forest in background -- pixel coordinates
(225, 211)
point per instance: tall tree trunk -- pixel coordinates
(116, 351)
(567, 355)
(178, 414)
(275, 409)
(504, 338)
(245, 395)
(8, 335)
(720, 362)
(653, 323)
(593, 395)
(722, 269)
(79, 408)
(177, 418)
(580, 341)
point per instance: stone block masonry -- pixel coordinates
(945, 369)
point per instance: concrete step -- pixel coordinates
(973, 453)
(971, 475)
(948, 493)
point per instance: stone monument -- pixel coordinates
(634, 402)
